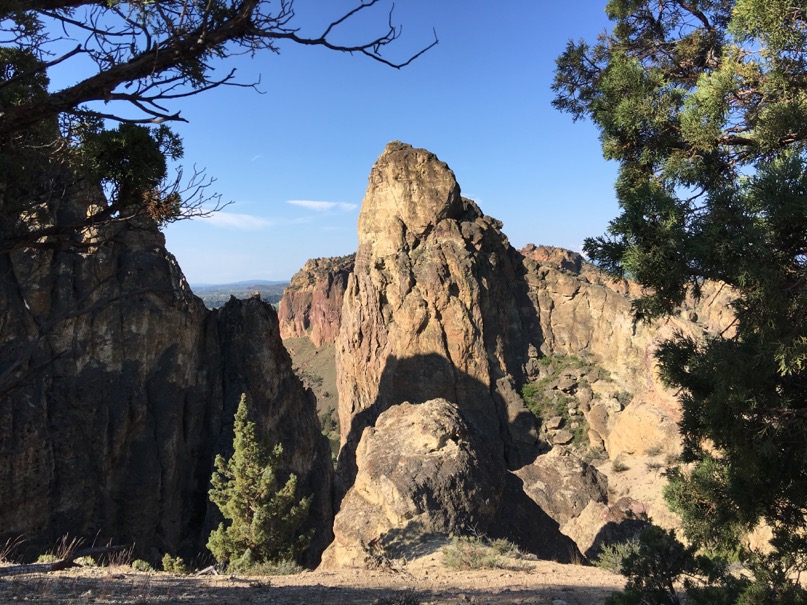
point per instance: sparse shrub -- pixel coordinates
(612, 555)
(653, 466)
(174, 565)
(654, 451)
(470, 552)
(87, 562)
(505, 548)
(141, 565)
(265, 515)
(624, 397)
(48, 558)
(619, 466)
(119, 558)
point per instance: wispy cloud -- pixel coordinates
(234, 220)
(256, 157)
(323, 206)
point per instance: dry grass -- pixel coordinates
(429, 582)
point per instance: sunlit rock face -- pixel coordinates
(435, 307)
(440, 306)
(126, 391)
(312, 303)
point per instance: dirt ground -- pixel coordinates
(429, 583)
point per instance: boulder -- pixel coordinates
(424, 471)
(562, 484)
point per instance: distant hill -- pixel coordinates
(215, 295)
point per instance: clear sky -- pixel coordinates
(294, 160)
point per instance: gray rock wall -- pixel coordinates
(120, 388)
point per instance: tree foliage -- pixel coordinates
(132, 62)
(265, 513)
(703, 103)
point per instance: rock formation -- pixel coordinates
(584, 314)
(439, 305)
(119, 388)
(435, 309)
(424, 471)
(432, 309)
(312, 303)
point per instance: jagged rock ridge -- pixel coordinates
(111, 423)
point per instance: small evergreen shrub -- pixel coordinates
(264, 514)
(141, 565)
(175, 565)
(612, 555)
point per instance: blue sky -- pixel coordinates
(294, 160)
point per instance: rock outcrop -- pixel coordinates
(424, 471)
(119, 388)
(433, 309)
(439, 305)
(436, 308)
(312, 303)
(584, 314)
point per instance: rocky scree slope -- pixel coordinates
(125, 389)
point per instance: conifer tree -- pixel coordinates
(703, 103)
(265, 515)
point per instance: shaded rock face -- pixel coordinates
(433, 309)
(125, 389)
(424, 470)
(312, 303)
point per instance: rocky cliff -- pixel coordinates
(436, 309)
(119, 388)
(440, 306)
(312, 303)
(433, 308)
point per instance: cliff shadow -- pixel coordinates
(416, 380)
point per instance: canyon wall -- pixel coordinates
(119, 388)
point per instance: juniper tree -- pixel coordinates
(703, 104)
(265, 514)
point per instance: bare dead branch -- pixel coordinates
(156, 52)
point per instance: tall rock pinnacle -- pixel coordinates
(431, 309)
